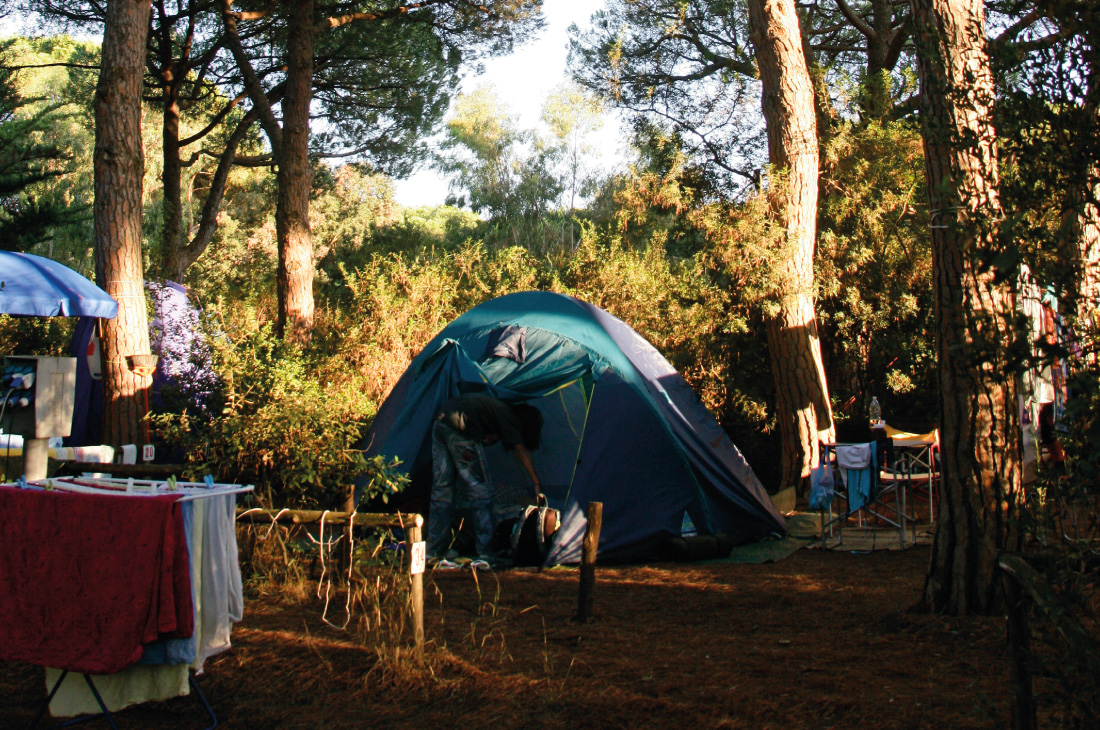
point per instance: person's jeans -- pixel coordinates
(455, 456)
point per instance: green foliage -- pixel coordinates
(280, 427)
(41, 195)
(35, 335)
(687, 63)
(874, 274)
(573, 115)
(496, 169)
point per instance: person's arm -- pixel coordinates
(524, 457)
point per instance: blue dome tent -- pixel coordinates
(621, 426)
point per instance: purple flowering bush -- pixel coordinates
(185, 379)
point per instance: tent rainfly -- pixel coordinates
(621, 426)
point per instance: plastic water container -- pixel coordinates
(876, 410)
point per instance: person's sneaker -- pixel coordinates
(480, 564)
(443, 564)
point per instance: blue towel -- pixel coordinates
(862, 484)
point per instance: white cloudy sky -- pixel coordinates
(523, 80)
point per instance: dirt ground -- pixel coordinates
(822, 639)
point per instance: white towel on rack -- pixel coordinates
(854, 456)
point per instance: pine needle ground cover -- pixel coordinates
(818, 640)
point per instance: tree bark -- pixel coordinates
(979, 433)
(290, 148)
(1087, 229)
(118, 168)
(295, 179)
(803, 412)
(178, 253)
(171, 242)
(1087, 211)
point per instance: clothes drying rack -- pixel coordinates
(188, 491)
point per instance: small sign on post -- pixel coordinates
(148, 452)
(418, 558)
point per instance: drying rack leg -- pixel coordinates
(107, 713)
(202, 699)
(46, 704)
(83, 718)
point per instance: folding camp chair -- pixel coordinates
(856, 466)
(916, 465)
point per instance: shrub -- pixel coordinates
(279, 426)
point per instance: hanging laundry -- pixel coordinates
(130, 586)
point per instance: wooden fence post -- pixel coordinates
(1023, 713)
(414, 536)
(588, 560)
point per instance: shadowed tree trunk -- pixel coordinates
(1087, 223)
(118, 169)
(979, 430)
(290, 148)
(803, 412)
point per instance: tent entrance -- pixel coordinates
(564, 413)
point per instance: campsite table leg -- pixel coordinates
(417, 590)
(588, 560)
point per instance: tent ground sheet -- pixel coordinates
(801, 528)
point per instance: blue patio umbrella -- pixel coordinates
(37, 286)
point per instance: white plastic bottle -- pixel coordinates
(876, 410)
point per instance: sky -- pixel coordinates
(523, 80)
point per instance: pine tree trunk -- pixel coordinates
(1087, 211)
(171, 266)
(803, 412)
(295, 178)
(1087, 225)
(979, 430)
(118, 168)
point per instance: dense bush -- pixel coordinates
(279, 426)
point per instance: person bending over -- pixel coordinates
(464, 427)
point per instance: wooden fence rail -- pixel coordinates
(1024, 586)
(412, 524)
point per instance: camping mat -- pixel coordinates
(768, 550)
(801, 527)
(803, 524)
(866, 540)
(804, 527)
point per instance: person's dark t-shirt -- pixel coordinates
(482, 417)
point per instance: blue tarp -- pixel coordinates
(622, 427)
(39, 287)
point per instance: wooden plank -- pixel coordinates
(311, 517)
(137, 471)
(588, 561)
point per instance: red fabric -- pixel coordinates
(86, 579)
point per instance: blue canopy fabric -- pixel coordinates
(35, 286)
(621, 427)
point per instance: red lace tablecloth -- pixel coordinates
(86, 579)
